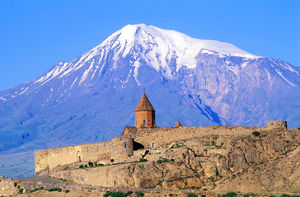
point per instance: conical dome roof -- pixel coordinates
(144, 104)
(178, 124)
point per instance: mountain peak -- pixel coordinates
(172, 41)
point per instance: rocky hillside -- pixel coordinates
(262, 162)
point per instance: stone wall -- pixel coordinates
(144, 119)
(53, 159)
(47, 160)
(157, 137)
(7, 187)
(281, 124)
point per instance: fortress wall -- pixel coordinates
(164, 135)
(48, 160)
(7, 187)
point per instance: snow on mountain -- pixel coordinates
(92, 97)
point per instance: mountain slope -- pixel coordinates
(92, 98)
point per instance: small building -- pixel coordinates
(144, 113)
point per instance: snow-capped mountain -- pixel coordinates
(91, 98)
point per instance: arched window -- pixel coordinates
(144, 122)
(153, 145)
(125, 145)
(79, 159)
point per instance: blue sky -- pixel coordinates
(35, 35)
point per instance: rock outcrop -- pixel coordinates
(266, 161)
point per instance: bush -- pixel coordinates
(192, 195)
(129, 155)
(90, 164)
(286, 195)
(255, 133)
(161, 160)
(143, 160)
(112, 160)
(229, 194)
(139, 194)
(21, 191)
(81, 166)
(54, 189)
(33, 190)
(67, 191)
(115, 194)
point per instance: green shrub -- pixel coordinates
(129, 192)
(139, 194)
(90, 164)
(161, 160)
(115, 194)
(81, 166)
(67, 191)
(21, 191)
(286, 195)
(200, 155)
(33, 190)
(255, 133)
(129, 155)
(143, 160)
(192, 195)
(54, 189)
(229, 194)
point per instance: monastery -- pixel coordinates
(144, 135)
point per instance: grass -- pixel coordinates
(36, 189)
(192, 195)
(229, 194)
(115, 194)
(286, 195)
(161, 160)
(213, 143)
(58, 189)
(139, 194)
(178, 145)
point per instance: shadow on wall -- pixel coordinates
(137, 146)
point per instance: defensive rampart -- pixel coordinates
(48, 160)
(52, 159)
(157, 137)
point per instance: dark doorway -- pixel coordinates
(137, 146)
